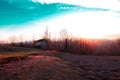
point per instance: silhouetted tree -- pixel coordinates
(64, 37)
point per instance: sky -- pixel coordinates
(82, 18)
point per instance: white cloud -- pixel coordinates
(109, 4)
(86, 24)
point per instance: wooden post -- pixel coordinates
(66, 45)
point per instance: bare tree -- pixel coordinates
(13, 39)
(34, 38)
(63, 34)
(64, 37)
(118, 41)
(20, 38)
(46, 34)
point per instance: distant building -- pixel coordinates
(41, 43)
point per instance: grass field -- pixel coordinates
(17, 63)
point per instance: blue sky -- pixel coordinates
(83, 18)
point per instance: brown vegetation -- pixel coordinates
(67, 43)
(53, 65)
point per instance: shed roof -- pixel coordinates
(40, 40)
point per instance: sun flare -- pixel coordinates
(87, 24)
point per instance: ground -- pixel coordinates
(34, 64)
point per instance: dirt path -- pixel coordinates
(62, 66)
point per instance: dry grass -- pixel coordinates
(9, 54)
(53, 65)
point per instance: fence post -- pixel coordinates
(66, 45)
